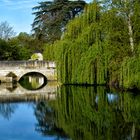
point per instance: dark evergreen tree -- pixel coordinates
(51, 18)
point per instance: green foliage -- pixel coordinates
(48, 52)
(22, 52)
(78, 53)
(17, 48)
(130, 73)
(51, 18)
(34, 57)
(3, 49)
(96, 48)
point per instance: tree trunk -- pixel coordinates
(130, 30)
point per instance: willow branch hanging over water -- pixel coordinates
(96, 47)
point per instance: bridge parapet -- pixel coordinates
(27, 64)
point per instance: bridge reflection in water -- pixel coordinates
(12, 93)
(22, 113)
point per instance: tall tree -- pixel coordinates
(6, 31)
(52, 16)
(128, 10)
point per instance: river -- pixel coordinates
(31, 111)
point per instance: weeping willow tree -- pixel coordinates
(96, 45)
(130, 73)
(79, 52)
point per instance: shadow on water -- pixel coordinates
(33, 81)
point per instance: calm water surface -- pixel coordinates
(68, 113)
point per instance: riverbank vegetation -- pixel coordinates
(100, 46)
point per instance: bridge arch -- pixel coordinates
(37, 78)
(49, 74)
(32, 72)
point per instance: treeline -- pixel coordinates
(20, 47)
(101, 46)
(17, 47)
(14, 48)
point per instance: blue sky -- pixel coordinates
(18, 13)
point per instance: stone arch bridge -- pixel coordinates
(10, 69)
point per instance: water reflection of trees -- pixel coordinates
(92, 113)
(46, 124)
(7, 109)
